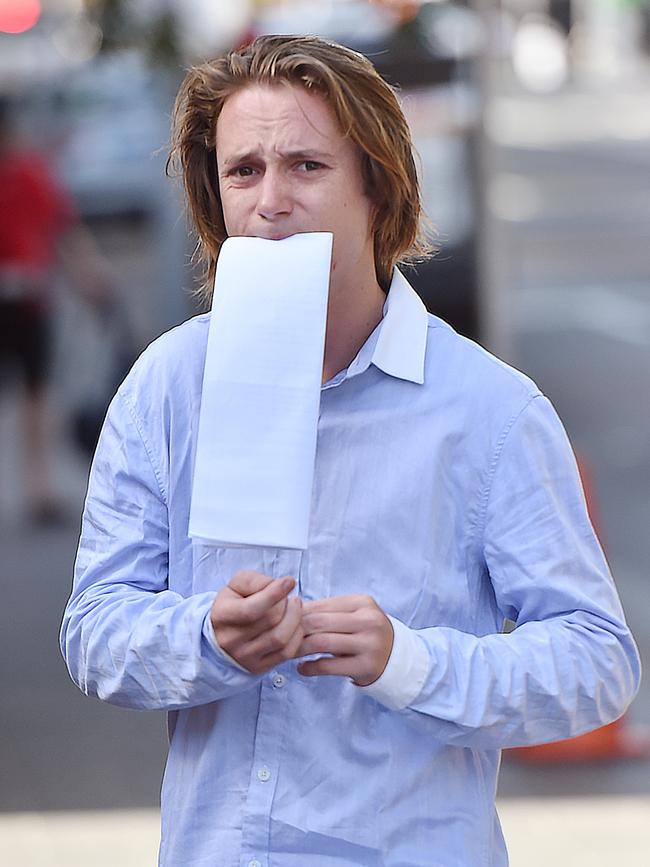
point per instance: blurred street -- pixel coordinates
(569, 194)
(581, 317)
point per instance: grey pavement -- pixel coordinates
(594, 832)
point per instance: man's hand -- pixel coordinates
(354, 630)
(254, 621)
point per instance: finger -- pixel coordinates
(247, 634)
(341, 666)
(290, 651)
(349, 603)
(323, 621)
(256, 606)
(248, 581)
(293, 645)
(334, 643)
(275, 640)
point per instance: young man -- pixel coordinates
(446, 499)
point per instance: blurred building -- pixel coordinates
(603, 37)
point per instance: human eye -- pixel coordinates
(243, 171)
(310, 166)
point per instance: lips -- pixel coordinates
(275, 236)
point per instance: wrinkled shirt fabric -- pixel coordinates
(445, 487)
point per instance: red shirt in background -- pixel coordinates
(34, 211)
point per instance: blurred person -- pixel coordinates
(446, 502)
(39, 229)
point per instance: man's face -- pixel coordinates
(284, 167)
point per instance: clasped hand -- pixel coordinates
(259, 625)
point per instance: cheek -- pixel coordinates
(353, 219)
(231, 207)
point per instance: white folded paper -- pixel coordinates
(256, 448)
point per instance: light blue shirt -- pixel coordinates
(445, 488)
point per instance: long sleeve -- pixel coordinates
(126, 637)
(570, 665)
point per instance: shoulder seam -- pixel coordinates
(139, 427)
(498, 451)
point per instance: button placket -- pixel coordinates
(269, 739)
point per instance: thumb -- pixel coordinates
(247, 582)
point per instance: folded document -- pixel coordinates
(256, 448)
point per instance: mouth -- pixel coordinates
(275, 236)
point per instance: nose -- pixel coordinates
(274, 195)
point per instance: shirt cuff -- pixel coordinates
(405, 672)
(211, 638)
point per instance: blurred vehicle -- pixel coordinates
(109, 133)
(430, 52)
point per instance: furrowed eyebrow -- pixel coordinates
(251, 156)
(308, 155)
(239, 158)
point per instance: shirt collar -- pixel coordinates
(402, 338)
(398, 344)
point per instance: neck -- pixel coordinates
(352, 315)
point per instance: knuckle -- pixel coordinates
(275, 617)
(221, 606)
(367, 619)
(240, 578)
(245, 617)
(254, 667)
(241, 573)
(276, 639)
(323, 644)
(257, 662)
(225, 640)
(292, 646)
(226, 646)
(247, 614)
(294, 622)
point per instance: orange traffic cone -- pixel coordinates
(614, 741)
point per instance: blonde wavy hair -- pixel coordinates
(366, 109)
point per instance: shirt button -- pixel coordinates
(278, 681)
(254, 863)
(264, 774)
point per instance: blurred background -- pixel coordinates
(532, 123)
